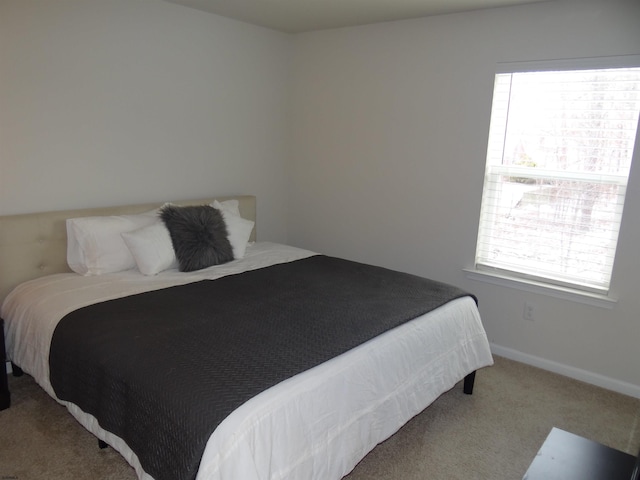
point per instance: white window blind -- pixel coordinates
(558, 159)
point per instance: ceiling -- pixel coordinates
(295, 16)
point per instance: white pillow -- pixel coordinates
(151, 248)
(232, 206)
(95, 245)
(238, 229)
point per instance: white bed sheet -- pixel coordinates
(316, 425)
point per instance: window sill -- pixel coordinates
(565, 293)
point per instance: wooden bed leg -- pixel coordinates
(102, 444)
(17, 371)
(468, 383)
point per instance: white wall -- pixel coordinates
(124, 101)
(390, 127)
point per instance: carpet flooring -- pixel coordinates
(493, 434)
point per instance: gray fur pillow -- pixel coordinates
(199, 236)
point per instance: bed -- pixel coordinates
(314, 415)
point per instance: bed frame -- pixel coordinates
(35, 244)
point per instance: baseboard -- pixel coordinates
(568, 371)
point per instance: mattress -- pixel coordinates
(317, 424)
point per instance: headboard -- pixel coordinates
(35, 244)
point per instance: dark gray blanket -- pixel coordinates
(162, 369)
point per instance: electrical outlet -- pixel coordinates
(527, 313)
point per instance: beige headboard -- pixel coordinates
(35, 244)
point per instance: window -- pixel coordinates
(558, 160)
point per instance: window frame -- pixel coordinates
(602, 297)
